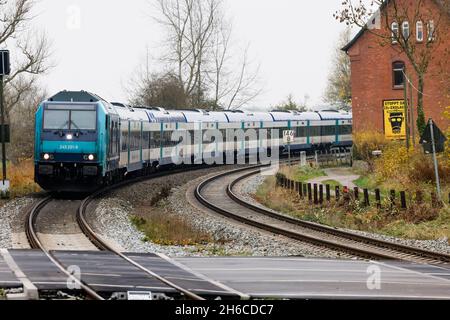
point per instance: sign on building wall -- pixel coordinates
(394, 119)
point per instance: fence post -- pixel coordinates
(419, 197)
(300, 189)
(315, 194)
(321, 194)
(309, 192)
(378, 198)
(337, 191)
(392, 198)
(305, 190)
(434, 200)
(403, 199)
(345, 194)
(356, 191)
(366, 198)
(328, 192)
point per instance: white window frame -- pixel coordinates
(430, 30)
(419, 26)
(395, 31)
(406, 27)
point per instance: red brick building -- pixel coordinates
(378, 66)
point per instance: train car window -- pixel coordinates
(314, 131)
(345, 129)
(124, 141)
(301, 132)
(328, 130)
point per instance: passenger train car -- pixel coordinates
(83, 141)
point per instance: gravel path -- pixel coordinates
(112, 220)
(10, 216)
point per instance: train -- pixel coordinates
(83, 142)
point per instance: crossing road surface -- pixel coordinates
(231, 277)
(325, 279)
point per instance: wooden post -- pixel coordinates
(328, 192)
(419, 197)
(366, 198)
(356, 191)
(309, 192)
(315, 194)
(321, 194)
(403, 199)
(392, 198)
(378, 198)
(305, 190)
(300, 189)
(337, 191)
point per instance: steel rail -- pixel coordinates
(36, 243)
(432, 257)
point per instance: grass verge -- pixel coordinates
(164, 229)
(302, 174)
(21, 176)
(418, 222)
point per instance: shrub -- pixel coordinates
(393, 163)
(421, 169)
(367, 142)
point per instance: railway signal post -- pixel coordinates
(433, 141)
(288, 137)
(4, 71)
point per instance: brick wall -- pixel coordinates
(372, 82)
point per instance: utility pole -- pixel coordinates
(405, 93)
(411, 108)
(4, 71)
(3, 132)
(436, 168)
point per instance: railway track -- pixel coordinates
(217, 193)
(36, 242)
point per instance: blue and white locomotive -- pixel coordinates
(83, 141)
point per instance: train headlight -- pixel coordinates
(46, 156)
(69, 137)
(91, 157)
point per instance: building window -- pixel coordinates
(398, 70)
(419, 31)
(431, 30)
(405, 30)
(394, 28)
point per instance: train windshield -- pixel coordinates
(62, 118)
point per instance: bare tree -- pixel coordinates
(199, 51)
(339, 89)
(29, 50)
(391, 15)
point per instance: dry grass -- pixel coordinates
(21, 176)
(418, 222)
(168, 229)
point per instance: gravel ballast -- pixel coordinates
(11, 219)
(113, 212)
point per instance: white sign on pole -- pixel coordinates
(288, 136)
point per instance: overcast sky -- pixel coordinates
(292, 40)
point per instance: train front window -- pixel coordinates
(56, 120)
(64, 118)
(83, 120)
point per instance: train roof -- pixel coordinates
(335, 115)
(294, 116)
(75, 96)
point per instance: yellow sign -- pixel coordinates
(394, 119)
